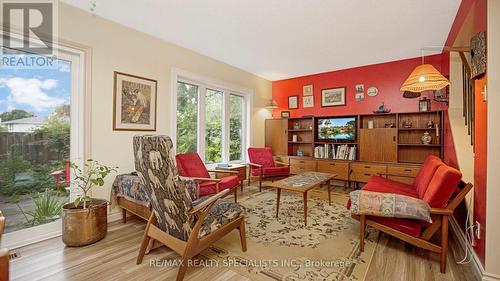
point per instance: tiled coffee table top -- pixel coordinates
(305, 180)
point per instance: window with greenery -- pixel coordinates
(187, 117)
(210, 121)
(213, 126)
(236, 109)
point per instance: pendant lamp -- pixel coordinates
(424, 77)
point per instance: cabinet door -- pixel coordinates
(277, 136)
(341, 169)
(378, 144)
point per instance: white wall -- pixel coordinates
(118, 48)
(493, 176)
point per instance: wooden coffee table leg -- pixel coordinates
(278, 195)
(305, 208)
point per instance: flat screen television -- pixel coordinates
(337, 129)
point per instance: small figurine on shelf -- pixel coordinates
(300, 152)
(382, 109)
(430, 124)
(426, 138)
(407, 124)
(296, 126)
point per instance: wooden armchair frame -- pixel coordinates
(194, 245)
(260, 176)
(4, 254)
(440, 217)
(217, 181)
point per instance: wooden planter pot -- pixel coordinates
(84, 226)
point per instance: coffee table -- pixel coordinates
(303, 182)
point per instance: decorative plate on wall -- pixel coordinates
(372, 91)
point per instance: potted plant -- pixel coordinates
(85, 221)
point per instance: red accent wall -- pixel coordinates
(480, 167)
(387, 77)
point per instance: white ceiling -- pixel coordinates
(278, 39)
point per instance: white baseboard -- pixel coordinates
(478, 267)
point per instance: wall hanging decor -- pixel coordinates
(307, 90)
(360, 88)
(308, 101)
(360, 96)
(134, 105)
(293, 102)
(285, 114)
(372, 91)
(333, 97)
(478, 54)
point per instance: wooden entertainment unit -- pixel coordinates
(389, 143)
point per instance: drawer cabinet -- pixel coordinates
(341, 169)
(362, 172)
(300, 166)
(404, 174)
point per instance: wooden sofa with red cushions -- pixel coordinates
(436, 183)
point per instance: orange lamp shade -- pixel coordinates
(424, 77)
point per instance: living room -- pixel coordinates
(170, 140)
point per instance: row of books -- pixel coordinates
(331, 151)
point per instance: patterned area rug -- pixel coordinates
(284, 249)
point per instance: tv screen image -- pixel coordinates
(337, 128)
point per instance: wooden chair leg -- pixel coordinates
(260, 184)
(362, 229)
(145, 240)
(241, 185)
(444, 244)
(124, 215)
(243, 238)
(182, 268)
(236, 195)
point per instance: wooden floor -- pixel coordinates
(114, 259)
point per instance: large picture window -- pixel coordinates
(211, 120)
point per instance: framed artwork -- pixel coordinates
(307, 90)
(308, 101)
(293, 102)
(360, 96)
(134, 103)
(360, 88)
(372, 91)
(333, 97)
(285, 114)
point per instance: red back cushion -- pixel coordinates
(425, 174)
(443, 184)
(261, 155)
(190, 165)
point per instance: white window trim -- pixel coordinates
(193, 78)
(80, 135)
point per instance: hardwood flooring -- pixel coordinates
(114, 259)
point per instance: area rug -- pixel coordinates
(284, 249)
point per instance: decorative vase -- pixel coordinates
(426, 138)
(84, 226)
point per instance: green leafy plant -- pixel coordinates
(91, 175)
(47, 208)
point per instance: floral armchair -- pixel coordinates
(180, 220)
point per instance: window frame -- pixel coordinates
(227, 89)
(80, 58)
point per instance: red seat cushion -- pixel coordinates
(408, 226)
(443, 184)
(272, 171)
(229, 182)
(425, 174)
(190, 165)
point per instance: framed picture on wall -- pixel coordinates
(308, 101)
(134, 104)
(285, 114)
(333, 97)
(307, 90)
(293, 102)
